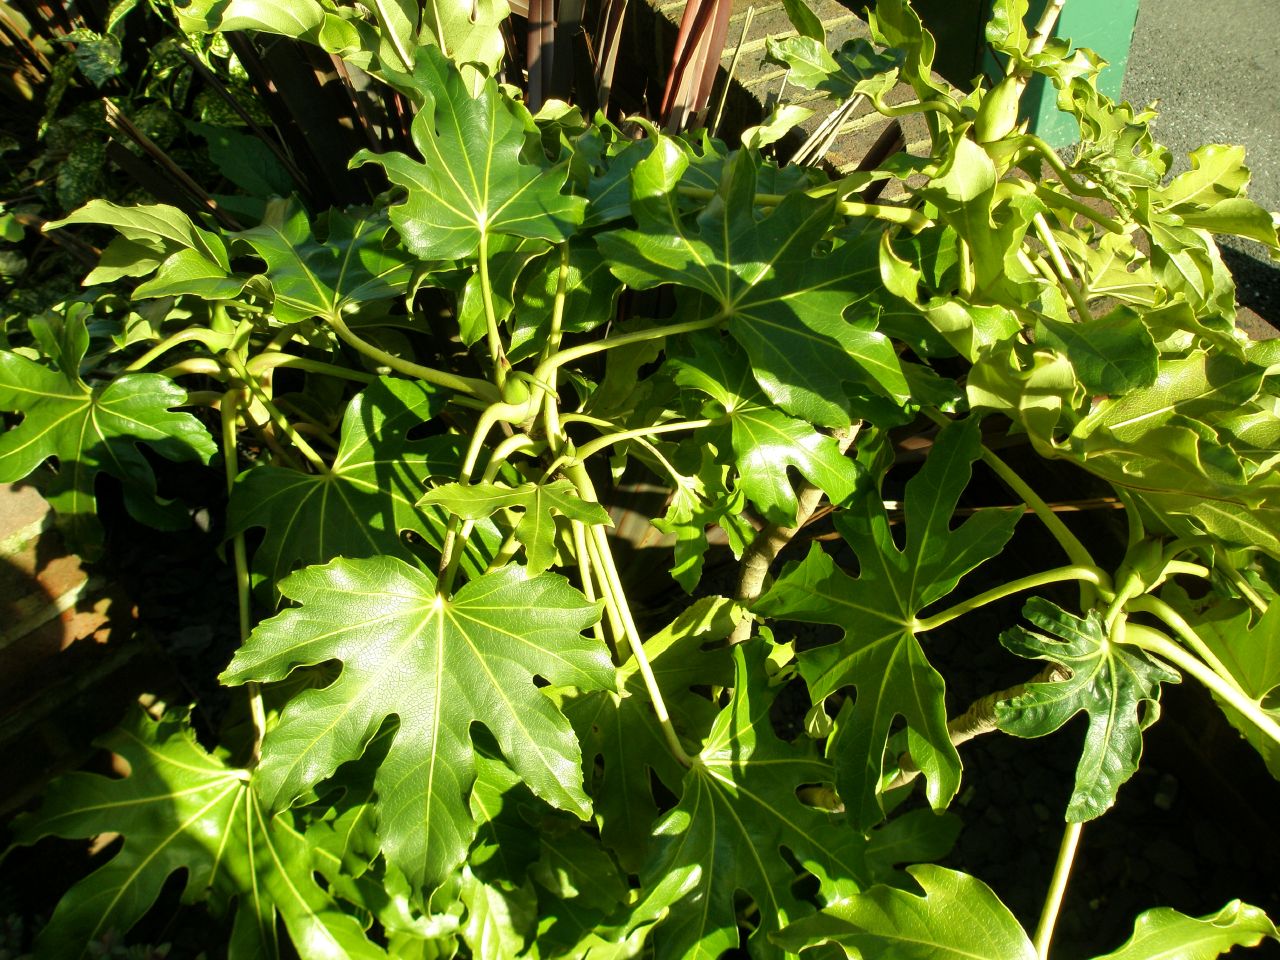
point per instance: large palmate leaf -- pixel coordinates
(765, 442)
(1163, 934)
(1117, 686)
(366, 502)
(880, 654)
(92, 430)
(738, 811)
(622, 743)
(780, 300)
(475, 178)
(355, 263)
(538, 504)
(439, 665)
(958, 918)
(181, 809)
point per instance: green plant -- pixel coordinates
(463, 737)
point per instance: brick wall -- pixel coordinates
(68, 654)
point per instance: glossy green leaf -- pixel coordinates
(1248, 646)
(181, 809)
(439, 665)
(780, 300)
(367, 502)
(622, 744)
(880, 653)
(475, 178)
(738, 811)
(161, 234)
(537, 502)
(1165, 934)
(1111, 355)
(766, 443)
(92, 430)
(355, 264)
(1117, 686)
(958, 918)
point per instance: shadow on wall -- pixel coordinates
(67, 650)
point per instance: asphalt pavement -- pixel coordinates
(1211, 67)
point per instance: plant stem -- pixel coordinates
(281, 421)
(1157, 643)
(1052, 197)
(598, 444)
(1074, 549)
(1221, 559)
(585, 574)
(1158, 608)
(480, 389)
(264, 362)
(967, 279)
(257, 713)
(1085, 573)
(1057, 888)
(202, 366)
(977, 720)
(1062, 268)
(493, 334)
(612, 584)
(547, 368)
(912, 219)
(216, 342)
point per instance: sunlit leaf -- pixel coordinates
(475, 178)
(537, 502)
(763, 277)
(439, 665)
(1163, 934)
(1117, 686)
(958, 918)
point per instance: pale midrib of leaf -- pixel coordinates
(531, 740)
(142, 865)
(286, 876)
(817, 846)
(1170, 407)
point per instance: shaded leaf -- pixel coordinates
(354, 264)
(622, 744)
(738, 811)
(765, 442)
(367, 501)
(880, 653)
(439, 665)
(181, 809)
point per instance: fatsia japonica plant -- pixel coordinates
(466, 738)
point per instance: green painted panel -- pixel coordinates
(1105, 26)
